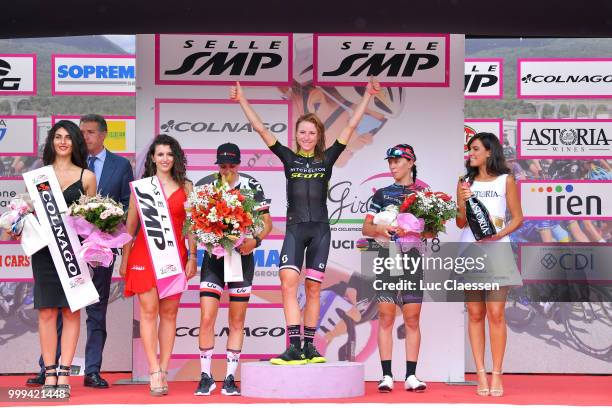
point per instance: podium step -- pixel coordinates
(337, 379)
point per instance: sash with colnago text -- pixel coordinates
(161, 239)
(64, 244)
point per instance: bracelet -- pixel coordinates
(257, 242)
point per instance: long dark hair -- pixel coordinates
(179, 168)
(496, 162)
(79, 148)
(414, 168)
(319, 150)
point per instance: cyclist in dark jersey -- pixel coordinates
(401, 160)
(307, 172)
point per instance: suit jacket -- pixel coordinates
(115, 179)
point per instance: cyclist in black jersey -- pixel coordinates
(401, 159)
(307, 172)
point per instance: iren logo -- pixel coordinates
(560, 201)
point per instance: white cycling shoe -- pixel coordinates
(414, 384)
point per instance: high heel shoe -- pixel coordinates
(165, 382)
(48, 390)
(483, 392)
(157, 391)
(497, 392)
(63, 390)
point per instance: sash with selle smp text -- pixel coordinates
(64, 244)
(160, 236)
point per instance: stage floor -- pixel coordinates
(549, 390)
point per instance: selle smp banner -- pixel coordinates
(160, 236)
(50, 206)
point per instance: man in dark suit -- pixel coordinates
(113, 177)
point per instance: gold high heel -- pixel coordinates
(165, 382)
(155, 391)
(497, 392)
(483, 392)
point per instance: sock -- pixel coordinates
(309, 333)
(410, 368)
(233, 357)
(293, 331)
(386, 367)
(205, 360)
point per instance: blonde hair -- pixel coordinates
(319, 150)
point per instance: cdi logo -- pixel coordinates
(397, 60)
(262, 59)
(568, 138)
(94, 74)
(17, 74)
(576, 199)
(569, 261)
(564, 78)
(484, 78)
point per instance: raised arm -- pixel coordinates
(237, 95)
(372, 88)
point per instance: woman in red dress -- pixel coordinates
(166, 160)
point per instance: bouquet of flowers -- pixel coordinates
(20, 220)
(433, 208)
(100, 221)
(220, 217)
(13, 220)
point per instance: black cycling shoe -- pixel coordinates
(229, 386)
(312, 355)
(206, 385)
(291, 356)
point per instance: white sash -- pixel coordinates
(160, 236)
(50, 206)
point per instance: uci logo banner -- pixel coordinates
(395, 59)
(564, 78)
(222, 59)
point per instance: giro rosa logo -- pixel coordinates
(575, 199)
(17, 74)
(483, 78)
(93, 74)
(565, 78)
(261, 59)
(566, 138)
(473, 126)
(400, 60)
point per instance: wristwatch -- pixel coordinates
(257, 242)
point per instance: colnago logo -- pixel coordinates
(565, 138)
(405, 59)
(261, 331)
(483, 78)
(217, 127)
(206, 58)
(567, 78)
(561, 78)
(566, 199)
(8, 83)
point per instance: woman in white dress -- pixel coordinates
(492, 183)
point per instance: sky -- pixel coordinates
(127, 42)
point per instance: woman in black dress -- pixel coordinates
(66, 152)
